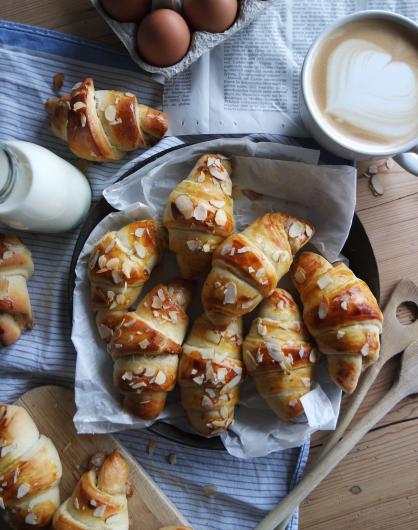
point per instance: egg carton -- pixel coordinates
(201, 42)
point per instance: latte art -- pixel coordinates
(368, 89)
(364, 84)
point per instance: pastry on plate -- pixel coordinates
(246, 267)
(199, 214)
(30, 471)
(102, 125)
(121, 262)
(145, 348)
(342, 315)
(210, 374)
(279, 354)
(16, 268)
(99, 499)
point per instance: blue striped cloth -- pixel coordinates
(243, 490)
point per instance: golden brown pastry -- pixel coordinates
(30, 471)
(16, 268)
(199, 214)
(104, 124)
(99, 499)
(342, 315)
(279, 354)
(121, 262)
(210, 374)
(247, 266)
(145, 348)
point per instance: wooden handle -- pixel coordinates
(329, 461)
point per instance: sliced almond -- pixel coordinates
(110, 113)
(160, 378)
(79, 105)
(221, 218)
(139, 232)
(140, 250)
(322, 311)
(184, 205)
(230, 293)
(200, 212)
(296, 229)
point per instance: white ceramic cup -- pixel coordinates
(406, 155)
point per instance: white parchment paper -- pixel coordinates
(290, 180)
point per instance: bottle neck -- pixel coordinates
(9, 167)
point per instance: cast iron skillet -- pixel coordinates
(357, 249)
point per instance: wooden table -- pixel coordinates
(376, 486)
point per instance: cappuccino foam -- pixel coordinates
(364, 80)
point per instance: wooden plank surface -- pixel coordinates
(384, 466)
(53, 408)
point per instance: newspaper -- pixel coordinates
(250, 82)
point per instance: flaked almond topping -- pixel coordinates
(93, 259)
(156, 303)
(226, 248)
(200, 212)
(300, 275)
(221, 373)
(217, 203)
(313, 356)
(2, 506)
(160, 378)
(102, 262)
(193, 371)
(322, 311)
(127, 376)
(251, 270)
(161, 295)
(113, 263)
(120, 299)
(230, 296)
(184, 205)
(243, 250)
(365, 350)
(233, 383)
(201, 177)
(340, 334)
(173, 316)
(221, 218)
(138, 386)
(301, 352)
(149, 372)
(296, 229)
(110, 113)
(198, 379)
(139, 232)
(224, 412)
(275, 353)
(293, 403)
(306, 381)
(79, 105)
(112, 520)
(127, 269)
(110, 246)
(99, 511)
(247, 305)
(110, 295)
(210, 392)
(117, 276)
(144, 344)
(280, 305)
(31, 519)
(261, 329)
(206, 402)
(193, 245)
(118, 346)
(261, 271)
(23, 490)
(16, 475)
(324, 281)
(206, 247)
(308, 231)
(289, 359)
(344, 305)
(140, 250)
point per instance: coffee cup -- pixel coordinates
(359, 93)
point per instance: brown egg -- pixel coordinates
(214, 16)
(163, 38)
(127, 10)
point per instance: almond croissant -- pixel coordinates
(104, 124)
(121, 262)
(279, 354)
(247, 266)
(145, 348)
(342, 315)
(210, 374)
(199, 214)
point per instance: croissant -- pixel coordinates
(247, 266)
(342, 315)
(279, 354)
(101, 125)
(145, 349)
(30, 471)
(199, 214)
(121, 262)
(16, 267)
(99, 499)
(210, 374)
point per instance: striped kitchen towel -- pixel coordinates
(242, 491)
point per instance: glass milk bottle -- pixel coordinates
(39, 191)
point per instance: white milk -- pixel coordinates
(39, 191)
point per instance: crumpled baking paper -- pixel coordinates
(291, 181)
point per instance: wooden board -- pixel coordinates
(53, 409)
